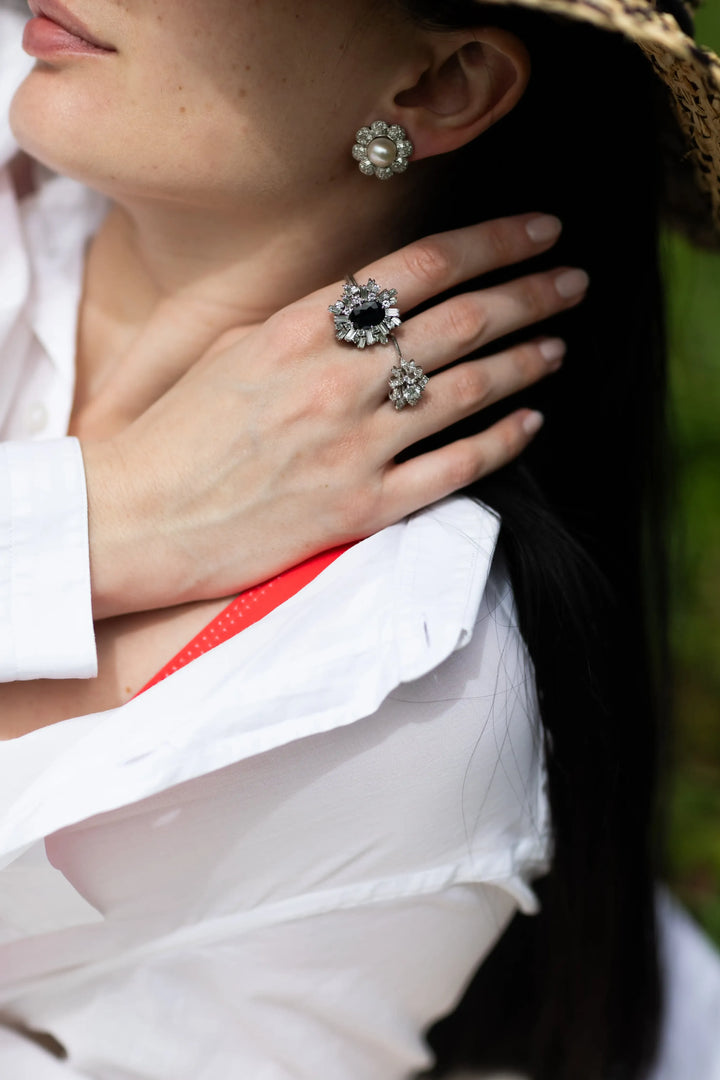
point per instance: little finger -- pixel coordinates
(431, 476)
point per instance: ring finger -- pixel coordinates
(463, 390)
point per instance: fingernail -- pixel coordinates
(552, 349)
(571, 283)
(533, 422)
(543, 228)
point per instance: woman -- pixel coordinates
(289, 858)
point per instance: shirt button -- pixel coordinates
(36, 418)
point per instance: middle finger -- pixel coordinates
(464, 323)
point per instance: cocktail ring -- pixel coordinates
(366, 314)
(407, 380)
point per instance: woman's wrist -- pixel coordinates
(133, 566)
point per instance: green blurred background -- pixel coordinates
(693, 281)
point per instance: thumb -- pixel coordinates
(169, 345)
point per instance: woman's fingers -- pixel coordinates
(174, 340)
(429, 477)
(467, 322)
(436, 263)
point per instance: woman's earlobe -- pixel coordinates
(471, 83)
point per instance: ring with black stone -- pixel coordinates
(365, 314)
(407, 380)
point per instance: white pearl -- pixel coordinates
(381, 152)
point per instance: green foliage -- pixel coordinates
(693, 280)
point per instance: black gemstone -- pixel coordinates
(371, 313)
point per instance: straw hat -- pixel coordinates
(692, 76)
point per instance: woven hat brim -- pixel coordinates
(692, 77)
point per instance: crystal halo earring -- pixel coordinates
(382, 149)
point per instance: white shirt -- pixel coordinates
(46, 626)
(285, 861)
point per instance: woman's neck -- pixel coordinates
(197, 274)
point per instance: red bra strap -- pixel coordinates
(248, 608)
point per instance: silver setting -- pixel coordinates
(382, 150)
(366, 314)
(407, 381)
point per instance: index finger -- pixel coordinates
(435, 263)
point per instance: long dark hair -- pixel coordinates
(574, 993)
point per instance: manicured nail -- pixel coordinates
(543, 228)
(533, 422)
(552, 349)
(571, 283)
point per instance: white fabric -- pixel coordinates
(286, 860)
(318, 828)
(46, 628)
(690, 1044)
(690, 1041)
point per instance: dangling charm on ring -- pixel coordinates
(366, 314)
(407, 381)
(382, 149)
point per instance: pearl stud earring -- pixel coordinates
(382, 150)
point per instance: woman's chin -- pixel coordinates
(40, 129)
(85, 138)
(57, 127)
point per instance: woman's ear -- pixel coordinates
(470, 81)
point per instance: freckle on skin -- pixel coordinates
(183, 109)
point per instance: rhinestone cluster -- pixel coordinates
(366, 314)
(382, 150)
(407, 383)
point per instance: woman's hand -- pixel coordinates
(280, 442)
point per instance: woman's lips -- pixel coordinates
(55, 32)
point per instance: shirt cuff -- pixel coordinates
(46, 624)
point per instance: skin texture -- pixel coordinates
(221, 133)
(238, 158)
(223, 123)
(235, 187)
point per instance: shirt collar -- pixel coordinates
(58, 221)
(388, 611)
(44, 239)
